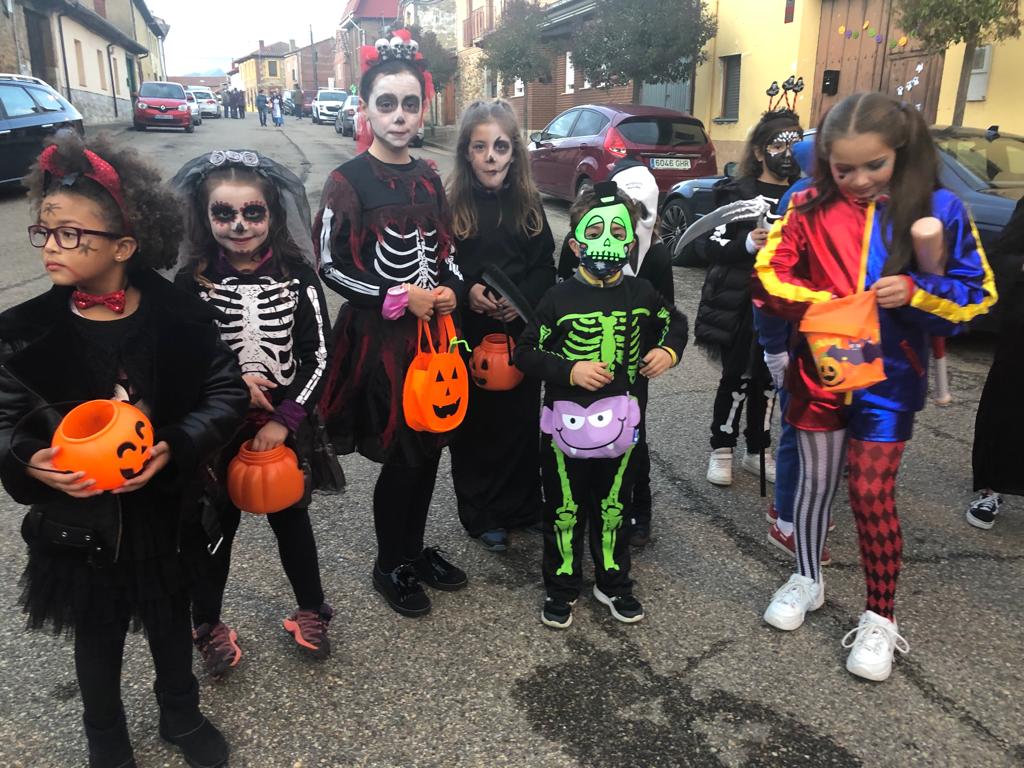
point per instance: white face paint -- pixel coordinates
(394, 111)
(490, 155)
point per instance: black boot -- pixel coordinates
(110, 747)
(182, 724)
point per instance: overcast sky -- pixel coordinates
(207, 34)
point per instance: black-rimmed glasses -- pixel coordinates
(67, 238)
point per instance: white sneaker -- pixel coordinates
(793, 600)
(872, 645)
(720, 467)
(752, 463)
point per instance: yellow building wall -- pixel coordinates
(1002, 105)
(770, 50)
(91, 42)
(151, 69)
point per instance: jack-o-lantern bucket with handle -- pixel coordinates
(435, 394)
(491, 363)
(109, 440)
(846, 341)
(264, 482)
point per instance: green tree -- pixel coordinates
(942, 23)
(515, 49)
(441, 61)
(654, 41)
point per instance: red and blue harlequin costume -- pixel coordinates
(835, 250)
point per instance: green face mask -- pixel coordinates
(606, 250)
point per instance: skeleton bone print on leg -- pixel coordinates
(260, 318)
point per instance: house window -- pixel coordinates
(80, 63)
(103, 70)
(570, 73)
(977, 88)
(518, 87)
(101, 7)
(271, 69)
(117, 77)
(730, 88)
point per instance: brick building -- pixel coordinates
(362, 23)
(310, 67)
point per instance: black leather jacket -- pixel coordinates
(199, 398)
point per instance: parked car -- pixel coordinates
(326, 105)
(164, 105)
(344, 120)
(194, 108)
(209, 106)
(30, 111)
(579, 147)
(984, 168)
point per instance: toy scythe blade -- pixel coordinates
(500, 283)
(741, 210)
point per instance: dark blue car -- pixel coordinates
(984, 168)
(30, 111)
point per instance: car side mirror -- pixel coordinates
(537, 137)
(730, 169)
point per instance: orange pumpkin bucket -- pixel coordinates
(491, 363)
(264, 482)
(846, 342)
(435, 394)
(109, 440)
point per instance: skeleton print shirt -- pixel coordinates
(277, 326)
(382, 225)
(616, 325)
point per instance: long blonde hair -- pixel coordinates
(527, 211)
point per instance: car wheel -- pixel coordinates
(675, 219)
(190, 128)
(584, 184)
(338, 128)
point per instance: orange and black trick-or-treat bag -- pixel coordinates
(435, 394)
(846, 341)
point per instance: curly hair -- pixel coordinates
(201, 245)
(151, 209)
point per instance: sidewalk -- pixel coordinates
(442, 137)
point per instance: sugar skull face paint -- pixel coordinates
(239, 218)
(778, 153)
(605, 429)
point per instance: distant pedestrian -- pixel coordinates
(225, 101)
(234, 103)
(241, 104)
(277, 109)
(299, 100)
(261, 107)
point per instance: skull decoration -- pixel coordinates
(603, 430)
(604, 233)
(413, 48)
(383, 47)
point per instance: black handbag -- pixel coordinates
(327, 475)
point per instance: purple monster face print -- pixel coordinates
(603, 430)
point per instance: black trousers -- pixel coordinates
(582, 493)
(401, 501)
(263, 117)
(745, 381)
(496, 459)
(99, 650)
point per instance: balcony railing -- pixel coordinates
(478, 24)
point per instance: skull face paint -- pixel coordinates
(604, 234)
(239, 218)
(394, 112)
(778, 153)
(603, 430)
(490, 155)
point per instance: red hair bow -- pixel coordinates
(101, 172)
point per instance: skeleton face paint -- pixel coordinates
(778, 153)
(394, 112)
(604, 235)
(239, 218)
(490, 155)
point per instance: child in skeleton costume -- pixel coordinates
(249, 255)
(383, 235)
(650, 260)
(876, 173)
(594, 334)
(499, 222)
(110, 327)
(724, 326)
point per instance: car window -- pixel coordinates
(190, 96)
(331, 96)
(17, 102)
(352, 101)
(999, 162)
(590, 123)
(162, 91)
(47, 100)
(662, 132)
(203, 94)
(559, 127)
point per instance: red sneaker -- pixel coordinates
(772, 513)
(788, 544)
(218, 645)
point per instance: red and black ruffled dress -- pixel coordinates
(379, 225)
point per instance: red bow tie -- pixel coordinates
(113, 301)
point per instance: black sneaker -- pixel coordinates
(625, 608)
(402, 590)
(557, 614)
(434, 571)
(639, 535)
(983, 510)
(494, 541)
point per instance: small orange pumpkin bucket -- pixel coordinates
(846, 342)
(264, 482)
(491, 363)
(109, 440)
(435, 394)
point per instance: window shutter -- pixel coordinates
(731, 94)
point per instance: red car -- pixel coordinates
(162, 105)
(580, 146)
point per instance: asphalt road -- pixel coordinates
(480, 682)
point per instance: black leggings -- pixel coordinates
(100, 649)
(296, 546)
(745, 380)
(401, 501)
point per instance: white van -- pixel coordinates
(326, 105)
